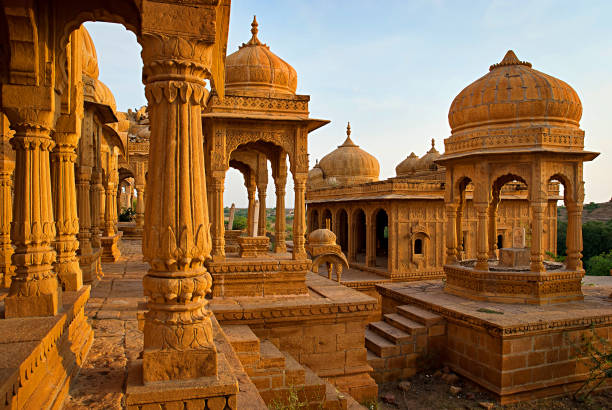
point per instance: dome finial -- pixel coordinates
(433, 143)
(510, 59)
(254, 41)
(348, 142)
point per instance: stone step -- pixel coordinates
(390, 332)
(405, 324)
(379, 345)
(334, 400)
(419, 315)
(313, 392)
(242, 338)
(269, 356)
(294, 372)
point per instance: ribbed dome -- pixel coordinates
(514, 94)
(407, 166)
(255, 68)
(322, 237)
(349, 163)
(89, 56)
(426, 162)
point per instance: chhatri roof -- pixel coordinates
(350, 161)
(512, 93)
(254, 68)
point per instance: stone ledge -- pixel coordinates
(40, 355)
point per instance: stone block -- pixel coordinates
(34, 305)
(165, 365)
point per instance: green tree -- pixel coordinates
(561, 235)
(599, 265)
(240, 222)
(596, 238)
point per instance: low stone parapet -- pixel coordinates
(253, 246)
(39, 356)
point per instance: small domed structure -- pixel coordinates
(349, 164)
(512, 94)
(322, 237)
(407, 166)
(315, 176)
(254, 68)
(426, 162)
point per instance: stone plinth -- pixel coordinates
(513, 286)
(217, 392)
(231, 240)
(259, 276)
(40, 355)
(253, 246)
(517, 352)
(110, 251)
(91, 266)
(324, 330)
(511, 257)
(130, 230)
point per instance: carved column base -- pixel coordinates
(41, 297)
(110, 251)
(7, 271)
(70, 276)
(160, 365)
(91, 266)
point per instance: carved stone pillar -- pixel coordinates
(251, 210)
(7, 165)
(96, 194)
(352, 236)
(451, 234)
(218, 220)
(110, 239)
(261, 220)
(280, 224)
(574, 236)
(460, 251)
(492, 215)
(63, 186)
(482, 256)
(537, 236)
(84, 210)
(34, 289)
(178, 336)
(140, 205)
(370, 240)
(299, 215)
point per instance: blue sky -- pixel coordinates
(392, 68)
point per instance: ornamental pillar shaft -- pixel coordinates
(218, 226)
(251, 210)
(261, 220)
(7, 165)
(574, 237)
(63, 186)
(34, 289)
(178, 336)
(96, 193)
(451, 234)
(492, 215)
(109, 206)
(140, 205)
(83, 186)
(280, 223)
(537, 237)
(482, 255)
(299, 216)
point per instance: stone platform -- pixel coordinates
(268, 275)
(110, 250)
(91, 266)
(518, 352)
(323, 330)
(512, 285)
(39, 356)
(130, 230)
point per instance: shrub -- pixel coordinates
(599, 265)
(240, 222)
(127, 215)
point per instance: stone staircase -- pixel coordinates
(278, 377)
(399, 345)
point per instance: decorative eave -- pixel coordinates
(447, 158)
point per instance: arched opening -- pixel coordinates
(382, 238)
(327, 216)
(565, 239)
(342, 230)
(418, 246)
(313, 220)
(514, 186)
(500, 241)
(360, 236)
(461, 239)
